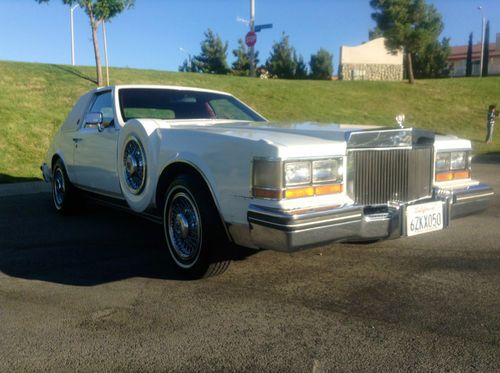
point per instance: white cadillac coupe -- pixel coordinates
(213, 171)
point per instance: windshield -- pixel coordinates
(185, 104)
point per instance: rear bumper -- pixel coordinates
(289, 230)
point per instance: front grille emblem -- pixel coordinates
(400, 120)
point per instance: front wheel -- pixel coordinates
(195, 239)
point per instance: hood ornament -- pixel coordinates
(400, 119)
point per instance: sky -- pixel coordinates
(158, 34)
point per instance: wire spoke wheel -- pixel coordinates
(184, 228)
(134, 166)
(58, 188)
(194, 235)
(64, 195)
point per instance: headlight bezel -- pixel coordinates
(450, 169)
(310, 182)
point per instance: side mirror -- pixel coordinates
(95, 119)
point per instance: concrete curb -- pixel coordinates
(15, 189)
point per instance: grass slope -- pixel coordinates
(35, 99)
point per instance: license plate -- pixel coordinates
(424, 218)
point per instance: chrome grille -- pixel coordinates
(379, 176)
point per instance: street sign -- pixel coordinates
(251, 39)
(261, 27)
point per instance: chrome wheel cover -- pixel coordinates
(58, 188)
(183, 228)
(134, 165)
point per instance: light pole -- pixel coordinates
(480, 8)
(252, 29)
(71, 10)
(105, 50)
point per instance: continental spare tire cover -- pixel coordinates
(138, 145)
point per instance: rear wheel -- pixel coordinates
(195, 238)
(63, 192)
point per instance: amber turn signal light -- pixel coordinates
(299, 192)
(452, 175)
(307, 191)
(328, 189)
(313, 191)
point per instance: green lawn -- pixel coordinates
(35, 98)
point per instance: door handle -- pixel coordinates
(77, 140)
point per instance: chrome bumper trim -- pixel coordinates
(287, 231)
(284, 230)
(466, 200)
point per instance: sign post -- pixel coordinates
(252, 37)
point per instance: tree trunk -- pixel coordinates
(411, 78)
(96, 53)
(94, 24)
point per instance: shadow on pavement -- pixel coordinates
(4, 179)
(98, 245)
(487, 158)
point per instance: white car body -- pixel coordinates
(222, 152)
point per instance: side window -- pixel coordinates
(103, 104)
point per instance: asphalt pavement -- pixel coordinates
(97, 292)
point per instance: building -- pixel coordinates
(458, 59)
(370, 61)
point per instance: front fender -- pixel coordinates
(195, 161)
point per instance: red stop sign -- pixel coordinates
(251, 39)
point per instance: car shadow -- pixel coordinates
(5, 179)
(95, 246)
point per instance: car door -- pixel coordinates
(95, 153)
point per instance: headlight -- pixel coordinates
(328, 170)
(297, 173)
(275, 179)
(452, 166)
(458, 160)
(442, 162)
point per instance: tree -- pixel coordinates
(213, 57)
(98, 11)
(486, 51)
(241, 66)
(468, 64)
(321, 64)
(407, 24)
(300, 67)
(375, 33)
(188, 66)
(281, 62)
(432, 60)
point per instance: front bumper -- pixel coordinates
(291, 230)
